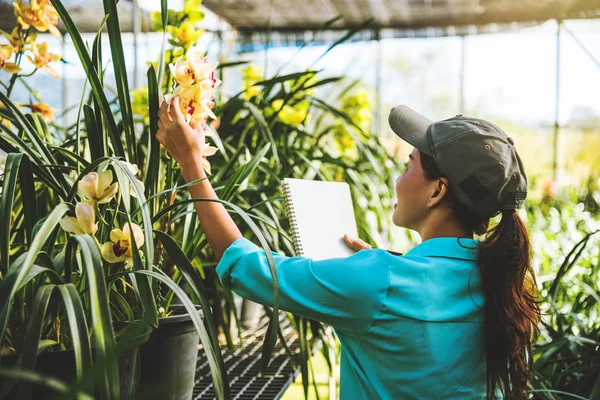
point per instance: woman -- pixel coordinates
(454, 318)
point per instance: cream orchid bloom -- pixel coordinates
(84, 221)
(120, 248)
(134, 170)
(183, 72)
(98, 187)
(207, 152)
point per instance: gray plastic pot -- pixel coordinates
(169, 359)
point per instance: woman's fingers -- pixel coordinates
(175, 110)
(356, 244)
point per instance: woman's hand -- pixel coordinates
(356, 244)
(183, 141)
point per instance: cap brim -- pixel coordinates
(411, 127)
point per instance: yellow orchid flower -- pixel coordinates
(98, 187)
(83, 222)
(208, 151)
(119, 249)
(42, 57)
(40, 14)
(5, 53)
(46, 111)
(15, 39)
(185, 34)
(139, 104)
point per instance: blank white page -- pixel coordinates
(320, 214)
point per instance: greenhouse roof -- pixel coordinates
(293, 15)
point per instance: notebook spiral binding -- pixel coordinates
(289, 209)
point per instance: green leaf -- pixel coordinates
(29, 129)
(219, 379)
(120, 69)
(164, 13)
(263, 128)
(9, 189)
(43, 380)
(285, 78)
(40, 238)
(105, 348)
(193, 278)
(271, 336)
(32, 335)
(347, 36)
(94, 136)
(79, 330)
(153, 166)
(45, 344)
(92, 75)
(125, 178)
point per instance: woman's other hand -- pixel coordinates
(356, 244)
(183, 141)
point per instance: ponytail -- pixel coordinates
(511, 309)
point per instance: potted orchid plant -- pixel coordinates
(82, 237)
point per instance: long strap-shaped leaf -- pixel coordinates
(40, 238)
(34, 136)
(90, 71)
(219, 380)
(78, 328)
(41, 380)
(32, 334)
(153, 165)
(242, 173)
(118, 61)
(105, 348)
(271, 336)
(94, 136)
(193, 278)
(164, 13)
(126, 180)
(13, 162)
(263, 128)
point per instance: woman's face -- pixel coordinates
(412, 193)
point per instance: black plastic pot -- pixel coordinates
(169, 359)
(61, 364)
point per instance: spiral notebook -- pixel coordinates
(320, 213)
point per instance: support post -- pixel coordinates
(461, 106)
(378, 66)
(557, 103)
(136, 31)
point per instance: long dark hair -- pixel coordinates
(511, 311)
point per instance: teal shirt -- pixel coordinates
(410, 327)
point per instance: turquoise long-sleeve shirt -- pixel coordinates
(410, 327)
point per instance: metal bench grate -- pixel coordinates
(243, 367)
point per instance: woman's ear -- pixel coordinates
(438, 193)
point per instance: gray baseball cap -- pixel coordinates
(479, 160)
